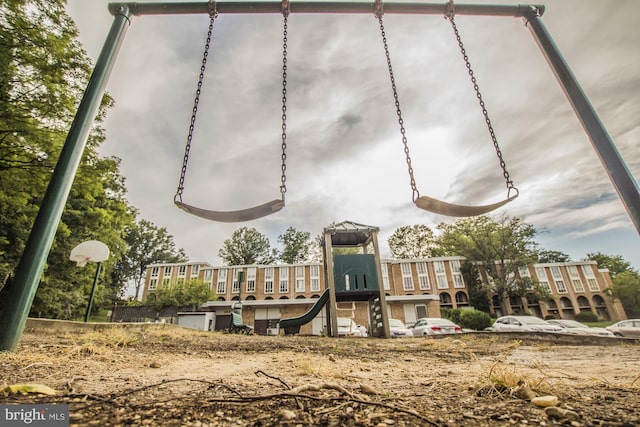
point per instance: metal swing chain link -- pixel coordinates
(414, 188)
(213, 14)
(485, 113)
(283, 178)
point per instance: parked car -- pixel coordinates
(434, 326)
(577, 328)
(348, 328)
(398, 329)
(523, 324)
(626, 328)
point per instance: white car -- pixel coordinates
(577, 328)
(398, 329)
(348, 328)
(434, 326)
(523, 324)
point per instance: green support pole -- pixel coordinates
(93, 292)
(22, 290)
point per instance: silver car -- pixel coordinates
(523, 324)
(398, 329)
(626, 328)
(435, 326)
(577, 328)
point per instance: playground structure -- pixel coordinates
(27, 275)
(349, 278)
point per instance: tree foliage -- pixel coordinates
(43, 73)
(478, 298)
(191, 294)
(614, 263)
(146, 244)
(501, 245)
(247, 246)
(413, 241)
(297, 246)
(548, 256)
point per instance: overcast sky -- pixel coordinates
(345, 158)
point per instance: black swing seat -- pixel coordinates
(233, 216)
(450, 209)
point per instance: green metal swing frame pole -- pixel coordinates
(22, 290)
(19, 298)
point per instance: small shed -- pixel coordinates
(201, 320)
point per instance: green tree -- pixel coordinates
(626, 287)
(413, 241)
(297, 246)
(192, 294)
(43, 73)
(614, 263)
(501, 245)
(247, 246)
(546, 256)
(146, 244)
(478, 298)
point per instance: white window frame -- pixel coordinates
(561, 286)
(314, 274)
(407, 276)
(576, 282)
(385, 276)
(268, 280)
(208, 275)
(153, 284)
(166, 282)
(300, 282)
(423, 276)
(195, 268)
(221, 284)
(592, 283)
(168, 269)
(155, 271)
(251, 280)
(541, 274)
(458, 281)
(283, 282)
(441, 275)
(182, 270)
(235, 285)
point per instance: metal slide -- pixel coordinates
(292, 325)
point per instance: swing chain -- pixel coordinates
(213, 14)
(450, 14)
(283, 178)
(378, 13)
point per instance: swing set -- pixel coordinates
(20, 295)
(424, 202)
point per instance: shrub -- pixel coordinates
(474, 319)
(452, 314)
(586, 316)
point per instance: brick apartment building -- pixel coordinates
(413, 288)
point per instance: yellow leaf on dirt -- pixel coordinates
(28, 389)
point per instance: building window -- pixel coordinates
(153, 284)
(407, 279)
(166, 282)
(155, 271)
(283, 287)
(441, 275)
(180, 281)
(300, 285)
(208, 275)
(458, 282)
(182, 270)
(542, 278)
(268, 280)
(557, 277)
(168, 270)
(385, 277)
(222, 281)
(195, 269)
(251, 279)
(593, 285)
(523, 272)
(423, 276)
(235, 285)
(562, 288)
(575, 278)
(315, 278)
(588, 271)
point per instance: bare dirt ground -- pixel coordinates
(177, 377)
